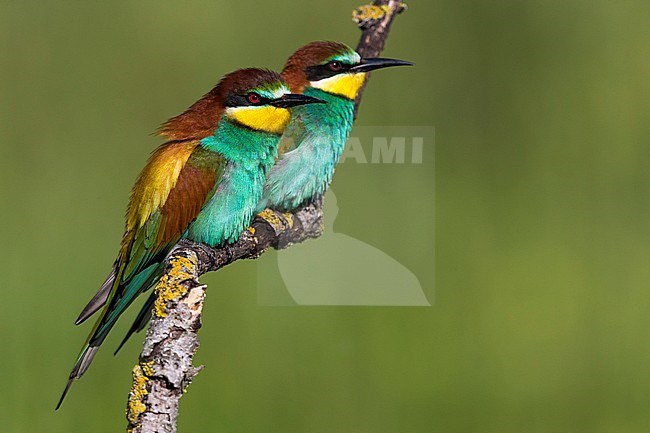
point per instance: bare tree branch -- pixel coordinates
(374, 21)
(164, 369)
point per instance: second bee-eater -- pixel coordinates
(315, 137)
(202, 184)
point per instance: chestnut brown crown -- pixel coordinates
(201, 118)
(295, 71)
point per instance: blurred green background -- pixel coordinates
(540, 321)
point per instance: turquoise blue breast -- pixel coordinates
(249, 155)
(320, 131)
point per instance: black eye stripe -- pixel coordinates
(335, 66)
(319, 72)
(241, 100)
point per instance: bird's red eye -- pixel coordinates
(254, 98)
(335, 66)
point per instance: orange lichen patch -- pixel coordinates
(251, 230)
(169, 287)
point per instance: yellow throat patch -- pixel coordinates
(345, 84)
(268, 119)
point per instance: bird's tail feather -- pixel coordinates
(99, 299)
(116, 305)
(80, 367)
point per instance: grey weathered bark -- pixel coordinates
(164, 369)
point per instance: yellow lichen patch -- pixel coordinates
(146, 368)
(366, 13)
(169, 287)
(138, 391)
(251, 230)
(289, 219)
(270, 217)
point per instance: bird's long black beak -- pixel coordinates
(370, 64)
(292, 99)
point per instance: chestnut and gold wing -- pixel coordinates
(166, 206)
(169, 194)
(166, 199)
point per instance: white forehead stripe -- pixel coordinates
(281, 91)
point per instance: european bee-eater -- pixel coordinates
(202, 184)
(315, 136)
(314, 139)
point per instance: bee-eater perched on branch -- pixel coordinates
(315, 136)
(204, 184)
(314, 139)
